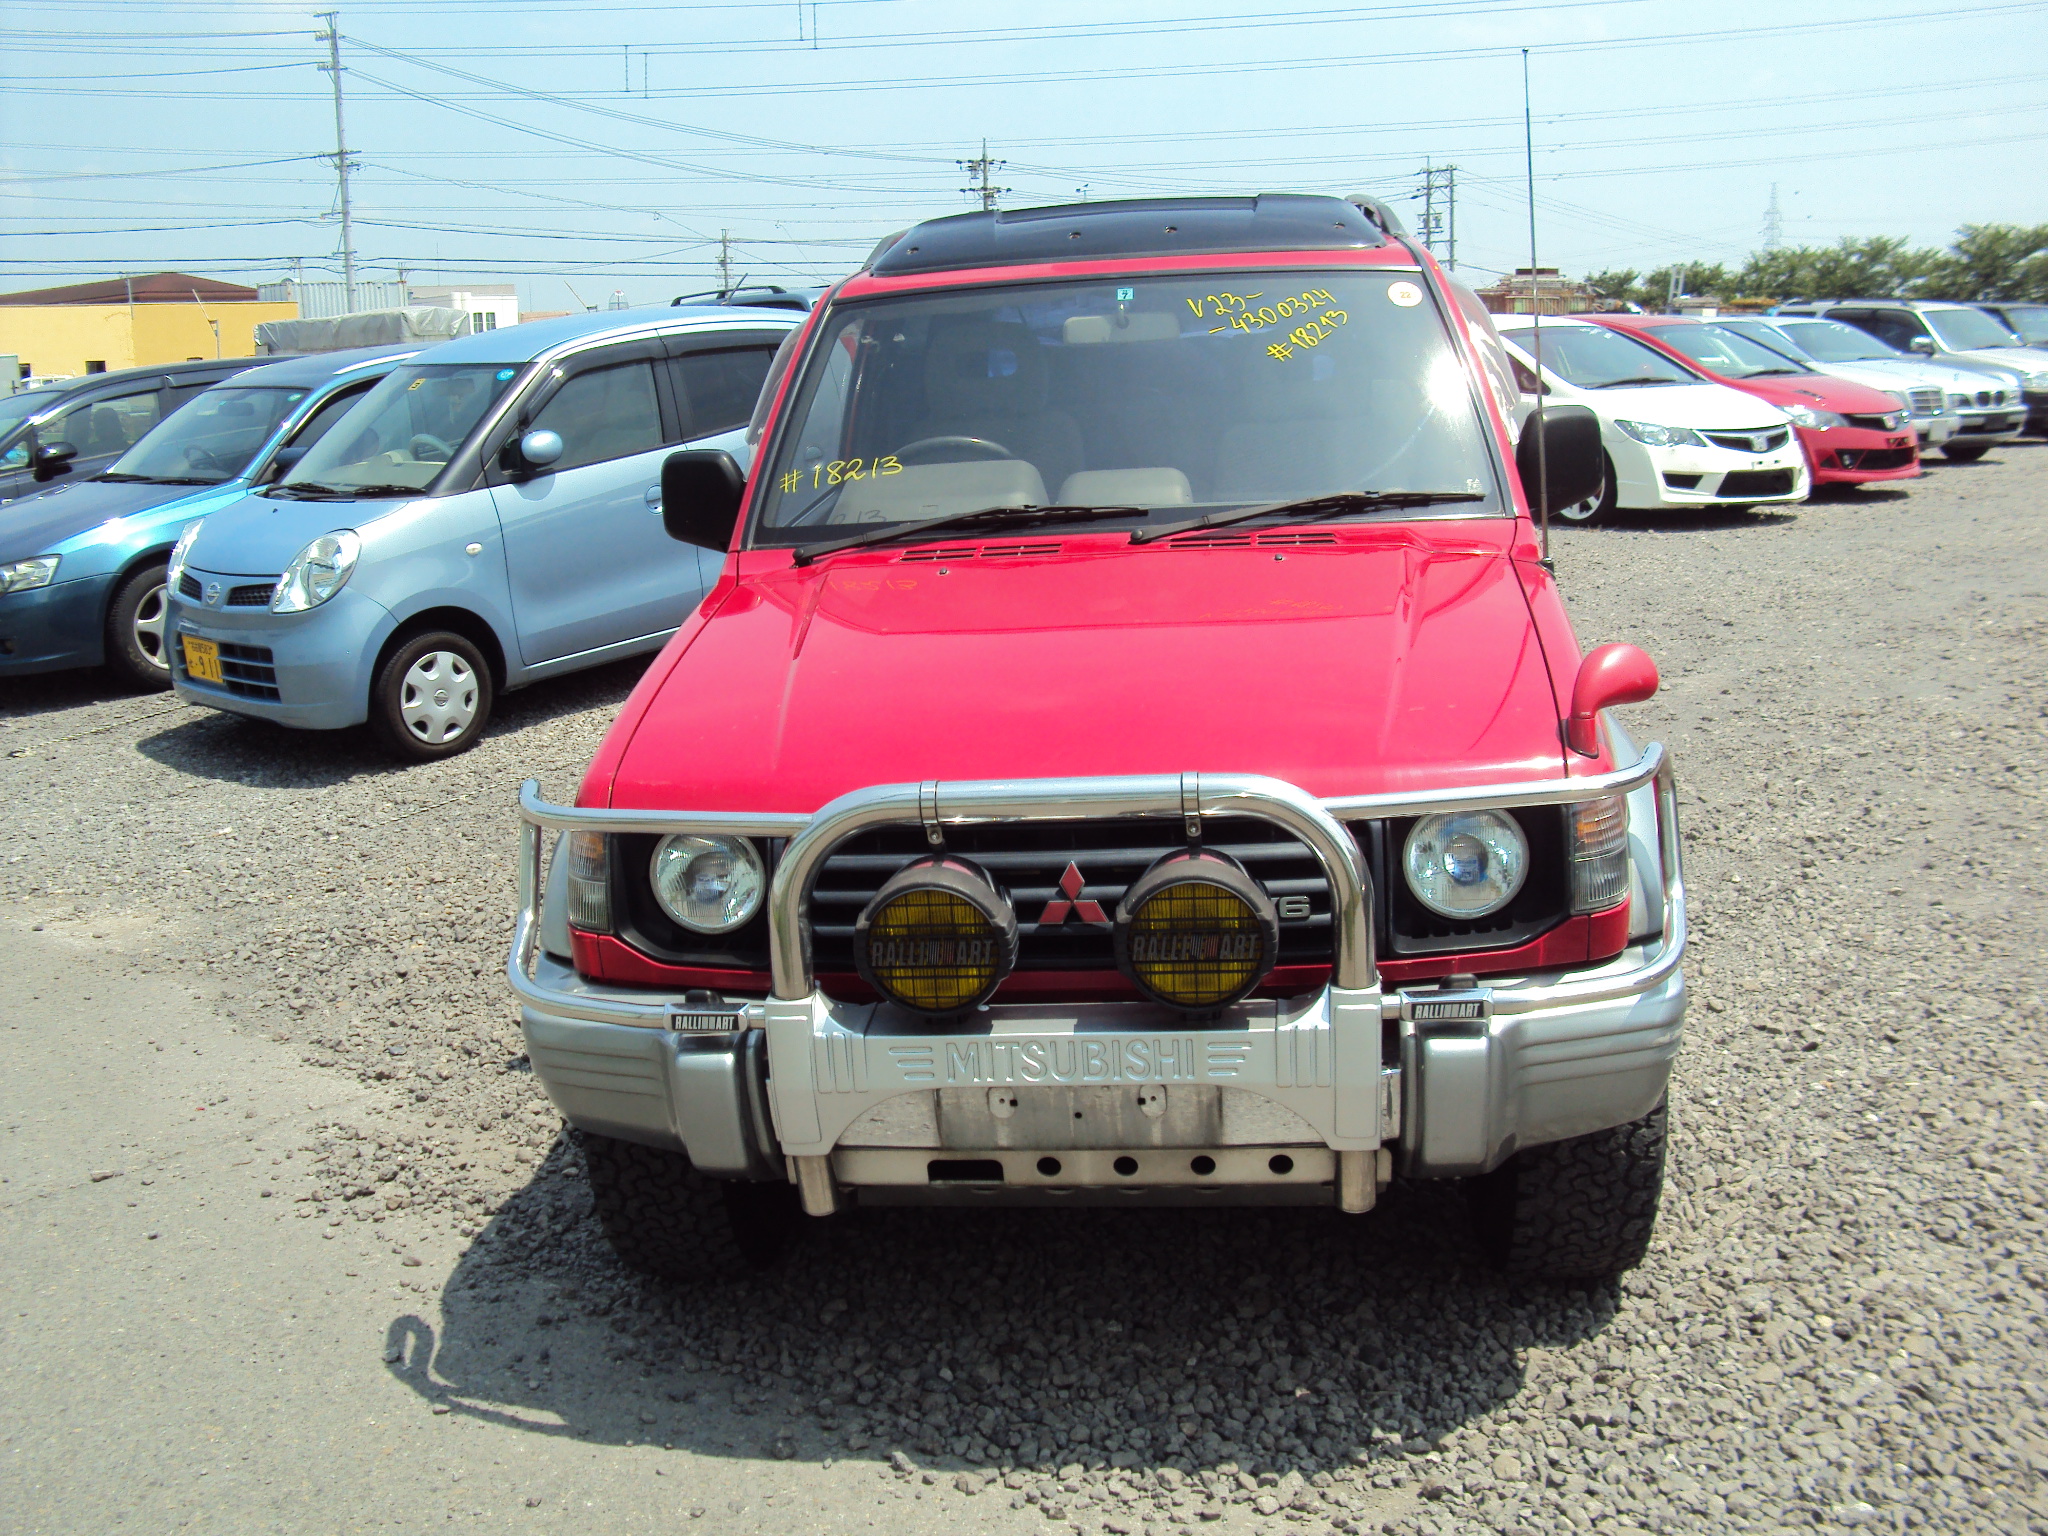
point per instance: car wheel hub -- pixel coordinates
(149, 628)
(437, 698)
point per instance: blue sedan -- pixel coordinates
(82, 561)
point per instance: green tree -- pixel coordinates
(2006, 262)
(1875, 266)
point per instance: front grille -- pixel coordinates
(1766, 482)
(1926, 402)
(1761, 441)
(247, 672)
(257, 595)
(1029, 859)
(188, 586)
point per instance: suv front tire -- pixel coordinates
(665, 1218)
(1581, 1209)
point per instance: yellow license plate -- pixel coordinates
(202, 660)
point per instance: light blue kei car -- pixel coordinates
(82, 560)
(487, 516)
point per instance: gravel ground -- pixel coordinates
(1840, 1323)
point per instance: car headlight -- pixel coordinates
(1807, 417)
(1195, 931)
(1654, 436)
(27, 575)
(179, 551)
(317, 572)
(1466, 864)
(708, 884)
(1893, 420)
(938, 938)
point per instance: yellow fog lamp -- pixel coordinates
(1196, 931)
(938, 937)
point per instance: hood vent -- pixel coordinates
(979, 552)
(1279, 539)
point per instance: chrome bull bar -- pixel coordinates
(935, 806)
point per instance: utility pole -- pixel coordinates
(1439, 196)
(332, 37)
(981, 170)
(725, 261)
(1774, 223)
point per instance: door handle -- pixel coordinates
(653, 498)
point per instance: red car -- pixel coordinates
(1852, 434)
(1134, 752)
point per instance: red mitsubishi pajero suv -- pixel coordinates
(1135, 751)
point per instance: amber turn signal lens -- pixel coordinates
(938, 937)
(1195, 931)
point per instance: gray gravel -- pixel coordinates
(1840, 1324)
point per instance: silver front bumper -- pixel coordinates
(852, 1093)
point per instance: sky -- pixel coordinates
(589, 148)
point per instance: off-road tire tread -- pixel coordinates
(1577, 1210)
(664, 1218)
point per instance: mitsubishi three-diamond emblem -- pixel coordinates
(1057, 911)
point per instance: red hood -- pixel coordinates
(1389, 659)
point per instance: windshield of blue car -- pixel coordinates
(405, 430)
(212, 439)
(1968, 330)
(1593, 357)
(1830, 341)
(1156, 394)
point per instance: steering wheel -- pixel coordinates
(442, 452)
(200, 458)
(963, 449)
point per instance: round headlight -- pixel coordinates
(1466, 865)
(937, 938)
(708, 884)
(1195, 931)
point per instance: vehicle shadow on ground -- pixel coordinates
(1705, 520)
(45, 693)
(1274, 1338)
(239, 749)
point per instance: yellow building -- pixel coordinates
(164, 317)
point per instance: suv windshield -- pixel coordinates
(405, 430)
(1733, 356)
(1833, 342)
(2031, 323)
(1968, 330)
(210, 440)
(1157, 394)
(1595, 358)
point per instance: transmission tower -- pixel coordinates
(1774, 223)
(981, 170)
(1439, 223)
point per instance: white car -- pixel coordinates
(1674, 440)
(1961, 411)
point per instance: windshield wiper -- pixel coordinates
(987, 517)
(1308, 509)
(1641, 383)
(380, 491)
(306, 490)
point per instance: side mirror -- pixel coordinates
(1610, 674)
(1924, 345)
(701, 490)
(53, 459)
(1571, 462)
(540, 449)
